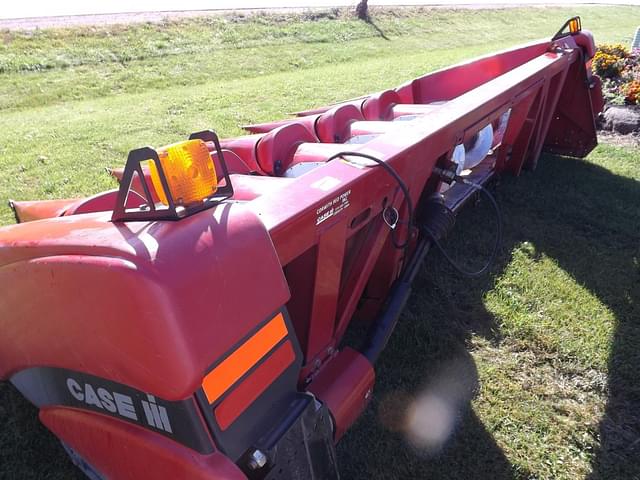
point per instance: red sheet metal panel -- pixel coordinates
(345, 385)
(138, 453)
(150, 305)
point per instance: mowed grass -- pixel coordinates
(548, 344)
(549, 340)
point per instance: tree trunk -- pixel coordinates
(362, 10)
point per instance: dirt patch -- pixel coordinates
(619, 140)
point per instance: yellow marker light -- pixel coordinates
(574, 25)
(189, 171)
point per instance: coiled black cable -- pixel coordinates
(496, 246)
(405, 191)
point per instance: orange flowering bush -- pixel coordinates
(607, 65)
(632, 92)
(620, 73)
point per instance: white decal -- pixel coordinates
(125, 406)
(75, 389)
(107, 400)
(333, 207)
(326, 183)
(90, 397)
(155, 415)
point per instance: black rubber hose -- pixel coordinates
(386, 322)
(401, 290)
(496, 246)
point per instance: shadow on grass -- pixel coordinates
(585, 218)
(595, 237)
(581, 215)
(27, 450)
(377, 28)
(366, 17)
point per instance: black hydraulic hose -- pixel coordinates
(398, 296)
(401, 291)
(496, 245)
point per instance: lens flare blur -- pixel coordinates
(428, 418)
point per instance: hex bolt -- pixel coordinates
(257, 460)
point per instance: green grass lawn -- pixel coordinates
(550, 341)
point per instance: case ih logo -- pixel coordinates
(124, 405)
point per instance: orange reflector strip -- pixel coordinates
(221, 378)
(257, 382)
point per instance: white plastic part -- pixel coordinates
(458, 157)
(498, 134)
(480, 148)
(635, 44)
